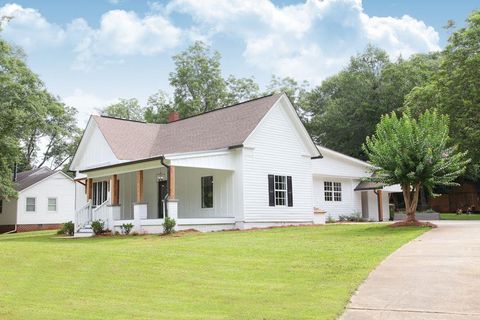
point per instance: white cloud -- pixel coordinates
(29, 29)
(311, 40)
(86, 103)
(120, 33)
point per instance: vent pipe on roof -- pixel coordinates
(173, 116)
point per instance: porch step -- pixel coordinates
(86, 231)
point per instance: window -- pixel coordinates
(52, 204)
(337, 191)
(327, 190)
(207, 192)
(30, 207)
(280, 190)
(100, 192)
(332, 191)
(1, 206)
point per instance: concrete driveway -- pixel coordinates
(436, 276)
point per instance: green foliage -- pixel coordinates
(197, 81)
(129, 109)
(345, 108)
(126, 228)
(68, 228)
(241, 89)
(98, 227)
(455, 90)
(169, 225)
(415, 154)
(355, 217)
(296, 91)
(22, 100)
(158, 108)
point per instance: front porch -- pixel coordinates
(144, 194)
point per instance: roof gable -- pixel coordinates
(27, 179)
(213, 130)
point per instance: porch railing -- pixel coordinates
(102, 212)
(83, 216)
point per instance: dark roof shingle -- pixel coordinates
(217, 129)
(28, 178)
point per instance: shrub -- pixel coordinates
(169, 225)
(356, 217)
(126, 228)
(98, 227)
(330, 219)
(68, 228)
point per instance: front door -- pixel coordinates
(162, 193)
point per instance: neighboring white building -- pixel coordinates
(338, 189)
(46, 199)
(243, 166)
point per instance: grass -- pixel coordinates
(454, 216)
(284, 273)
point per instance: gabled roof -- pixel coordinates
(217, 129)
(28, 178)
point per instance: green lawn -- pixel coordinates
(454, 216)
(284, 273)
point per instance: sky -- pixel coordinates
(90, 53)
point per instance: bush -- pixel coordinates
(330, 219)
(126, 228)
(98, 227)
(356, 217)
(68, 228)
(169, 225)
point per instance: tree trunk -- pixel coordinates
(410, 195)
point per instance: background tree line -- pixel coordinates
(339, 113)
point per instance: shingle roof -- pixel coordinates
(28, 178)
(217, 129)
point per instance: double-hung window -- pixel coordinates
(332, 191)
(207, 192)
(30, 204)
(52, 204)
(280, 191)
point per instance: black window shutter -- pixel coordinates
(271, 191)
(289, 191)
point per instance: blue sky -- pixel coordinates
(92, 52)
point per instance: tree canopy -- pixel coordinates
(415, 153)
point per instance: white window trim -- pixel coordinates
(284, 191)
(56, 204)
(26, 205)
(201, 193)
(332, 192)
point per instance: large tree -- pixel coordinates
(296, 91)
(129, 109)
(415, 153)
(22, 98)
(455, 90)
(345, 108)
(158, 108)
(197, 80)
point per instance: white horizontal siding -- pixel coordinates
(333, 165)
(351, 200)
(276, 148)
(56, 186)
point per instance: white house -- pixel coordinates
(46, 199)
(242, 166)
(339, 190)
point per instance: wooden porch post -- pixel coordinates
(380, 204)
(171, 182)
(114, 189)
(139, 186)
(89, 188)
